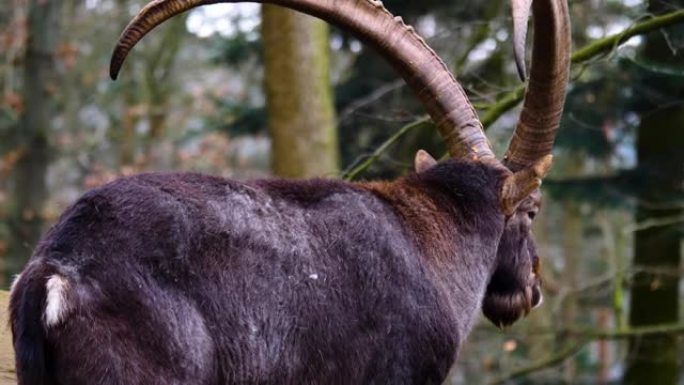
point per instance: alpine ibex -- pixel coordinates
(193, 279)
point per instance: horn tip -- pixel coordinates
(115, 64)
(521, 15)
(522, 71)
(519, 56)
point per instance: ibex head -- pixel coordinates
(515, 285)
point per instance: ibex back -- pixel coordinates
(193, 279)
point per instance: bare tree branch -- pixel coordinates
(511, 99)
(355, 170)
(654, 222)
(586, 335)
(554, 360)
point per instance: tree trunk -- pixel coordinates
(31, 136)
(657, 258)
(299, 94)
(571, 239)
(160, 83)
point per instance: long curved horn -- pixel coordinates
(440, 93)
(540, 117)
(521, 15)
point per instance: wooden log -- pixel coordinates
(7, 372)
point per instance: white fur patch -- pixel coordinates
(56, 305)
(14, 282)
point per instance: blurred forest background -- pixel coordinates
(243, 91)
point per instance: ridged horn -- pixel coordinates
(438, 90)
(545, 95)
(521, 16)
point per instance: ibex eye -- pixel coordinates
(531, 214)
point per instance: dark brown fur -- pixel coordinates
(192, 279)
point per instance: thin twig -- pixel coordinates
(554, 360)
(654, 222)
(585, 336)
(370, 98)
(355, 171)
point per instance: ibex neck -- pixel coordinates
(458, 249)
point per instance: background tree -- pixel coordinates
(660, 173)
(299, 94)
(31, 139)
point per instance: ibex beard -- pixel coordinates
(193, 279)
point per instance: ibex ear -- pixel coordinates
(521, 184)
(423, 161)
